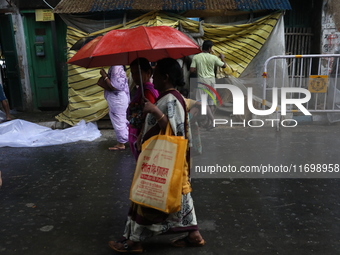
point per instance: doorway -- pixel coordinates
(9, 63)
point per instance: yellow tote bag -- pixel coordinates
(157, 181)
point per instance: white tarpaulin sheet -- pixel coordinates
(21, 133)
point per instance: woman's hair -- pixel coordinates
(144, 64)
(170, 67)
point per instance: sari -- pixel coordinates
(135, 113)
(143, 222)
(118, 101)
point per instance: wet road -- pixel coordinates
(73, 198)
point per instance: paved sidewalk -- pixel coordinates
(72, 199)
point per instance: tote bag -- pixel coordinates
(157, 181)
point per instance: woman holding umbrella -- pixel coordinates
(136, 116)
(142, 222)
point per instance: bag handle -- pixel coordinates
(168, 130)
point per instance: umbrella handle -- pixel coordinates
(141, 80)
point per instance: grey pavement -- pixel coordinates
(72, 199)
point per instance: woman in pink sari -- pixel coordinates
(135, 110)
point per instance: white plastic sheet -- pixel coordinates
(21, 133)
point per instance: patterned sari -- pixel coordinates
(143, 222)
(136, 116)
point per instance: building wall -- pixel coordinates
(330, 35)
(19, 35)
(27, 66)
(22, 59)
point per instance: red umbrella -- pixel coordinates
(122, 46)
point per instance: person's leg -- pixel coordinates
(4, 103)
(212, 109)
(212, 101)
(133, 233)
(185, 221)
(120, 127)
(5, 106)
(126, 246)
(117, 112)
(195, 237)
(152, 223)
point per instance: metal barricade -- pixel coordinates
(317, 73)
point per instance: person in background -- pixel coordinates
(4, 104)
(143, 222)
(136, 116)
(117, 95)
(3, 98)
(204, 65)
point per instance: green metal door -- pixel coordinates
(13, 81)
(42, 63)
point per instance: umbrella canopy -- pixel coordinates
(122, 46)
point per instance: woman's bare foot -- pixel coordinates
(117, 147)
(195, 236)
(194, 239)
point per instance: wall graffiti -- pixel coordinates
(330, 40)
(331, 43)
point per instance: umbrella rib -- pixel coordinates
(147, 36)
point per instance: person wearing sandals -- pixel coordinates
(136, 116)
(143, 222)
(117, 95)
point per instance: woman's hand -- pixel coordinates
(103, 73)
(149, 107)
(160, 117)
